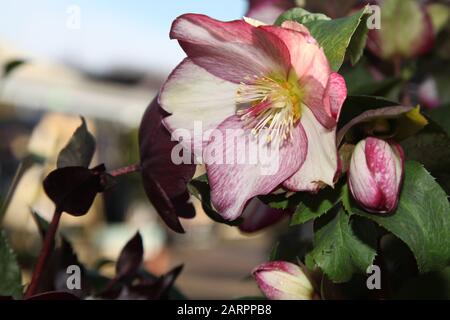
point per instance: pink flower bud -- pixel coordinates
(375, 174)
(280, 280)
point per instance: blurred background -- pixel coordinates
(104, 60)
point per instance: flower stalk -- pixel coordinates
(44, 255)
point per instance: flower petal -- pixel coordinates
(192, 94)
(321, 162)
(386, 165)
(257, 215)
(280, 280)
(311, 66)
(360, 180)
(246, 166)
(164, 182)
(335, 95)
(230, 50)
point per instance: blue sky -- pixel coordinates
(133, 32)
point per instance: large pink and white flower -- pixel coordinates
(375, 174)
(274, 86)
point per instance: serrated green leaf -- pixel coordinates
(314, 206)
(339, 252)
(422, 219)
(10, 275)
(80, 149)
(279, 201)
(430, 148)
(300, 15)
(339, 37)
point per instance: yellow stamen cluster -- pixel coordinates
(271, 105)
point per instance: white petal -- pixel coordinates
(193, 95)
(321, 161)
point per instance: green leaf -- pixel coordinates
(356, 105)
(199, 188)
(442, 116)
(360, 81)
(422, 219)
(429, 142)
(10, 275)
(12, 65)
(339, 37)
(339, 252)
(279, 201)
(300, 15)
(313, 206)
(80, 149)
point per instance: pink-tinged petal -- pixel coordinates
(299, 28)
(241, 166)
(280, 280)
(193, 97)
(321, 164)
(376, 174)
(257, 216)
(360, 180)
(311, 66)
(386, 165)
(335, 95)
(230, 50)
(428, 94)
(268, 10)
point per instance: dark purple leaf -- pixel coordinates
(41, 223)
(164, 182)
(130, 259)
(388, 113)
(68, 257)
(152, 289)
(73, 189)
(54, 295)
(80, 149)
(6, 298)
(257, 215)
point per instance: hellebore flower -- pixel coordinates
(376, 174)
(264, 88)
(406, 30)
(268, 11)
(280, 280)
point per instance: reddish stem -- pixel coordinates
(126, 170)
(44, 255)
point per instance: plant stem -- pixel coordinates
(126, 170)
(44, 255)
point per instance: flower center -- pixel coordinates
(274, 105)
